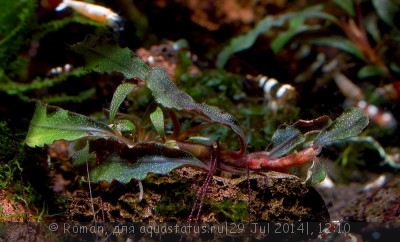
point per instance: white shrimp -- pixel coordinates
(92, 11)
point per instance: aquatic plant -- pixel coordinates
(128, 148)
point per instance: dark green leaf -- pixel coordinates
(349, 124)
(119, 96)
(394, 67)
(105, 57)
(83, 156)
(346, 5)
(159, 159)
(157, 118)
(287, 137)
(284, 140)
(371, 25)
(386, 10)
(296, 26)
(370, 71)
(245, 41)
(340, 43)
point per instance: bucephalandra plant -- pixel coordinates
(125, 149)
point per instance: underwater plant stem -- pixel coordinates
(175, 124)
(141, 191)
(90, 191)
(203, 190)
(199, 150)
(263, 161)
(193, 130)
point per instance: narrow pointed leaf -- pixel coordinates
(50, 123)
(245, 41)
(340, 43)
(119, 96)
(370, 71)
(296, 26)
(346, 5)
(349, 124)
(157, 118)
(162, 161)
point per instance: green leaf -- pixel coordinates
(168, 95)
(284, 140)
(105, 57)
(124, 126)
(83, 156)
(386, 10)
(160, 160)
(316, 173)
(157, 118)
(349, 124)
(245, 41)
(346, 5)
(119, 96)
(287, 137)
(296, 26)
(50, 124)
(394, 67)
(370, 71)
(340, 43)
(371, 25)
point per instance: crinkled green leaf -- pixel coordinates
(346, 5)
(157, 118)
(316, 173)
(168, 95)
(340, 43)
(50, 124)
(386, 10)
(119, 96)
(370, 71)
(103, 56)
(284, 140)
(158, 159)
(166, 92)
(245, 41)
(349, 124)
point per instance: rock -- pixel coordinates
(380, 203)
(274, 197)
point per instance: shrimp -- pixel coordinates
(92, 11)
